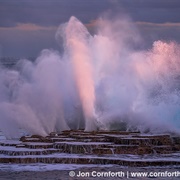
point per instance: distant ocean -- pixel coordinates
(10, 62)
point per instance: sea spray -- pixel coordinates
(99, 81)
(78, 47)
(32, 96)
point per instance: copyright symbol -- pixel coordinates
(72, 173)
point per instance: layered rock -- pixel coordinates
(100, 147)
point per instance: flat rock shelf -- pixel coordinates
(100, 147)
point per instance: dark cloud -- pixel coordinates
(53, 12)
(49, 12)
(158, 11)
(152, 32)
(26, 43)
(19, 15)
(150, 3)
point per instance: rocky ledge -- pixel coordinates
(100, 147)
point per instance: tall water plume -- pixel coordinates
(77, 45)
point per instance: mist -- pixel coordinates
(100, 81)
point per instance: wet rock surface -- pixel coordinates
(101, 147)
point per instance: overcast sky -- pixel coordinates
(28, 26)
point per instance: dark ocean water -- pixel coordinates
(10, 62)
